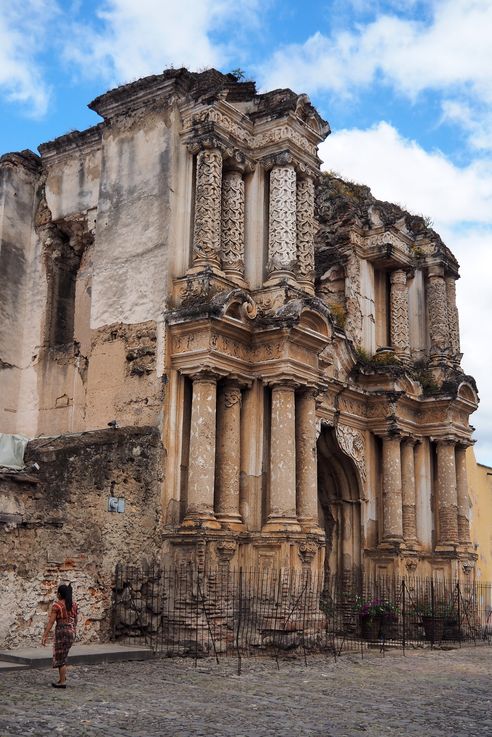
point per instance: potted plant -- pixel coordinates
(374, 617)
(438, 620)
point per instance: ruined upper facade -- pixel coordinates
(185, 266)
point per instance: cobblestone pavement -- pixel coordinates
(424, 693)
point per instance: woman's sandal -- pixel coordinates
(59, 685)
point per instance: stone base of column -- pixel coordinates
(306, 286)
(279, 278)
(310, 526)
(281, 524)
(231, 522)
(200, 521)
(412, 544)
(204, 281)
(392, 544)
(446, 547)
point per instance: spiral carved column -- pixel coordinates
(437, 306)
(305, 233)
(207, 224)
(400, 329)
(232, 247)
(282, 252)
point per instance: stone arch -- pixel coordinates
(339, 498)
(315, 322)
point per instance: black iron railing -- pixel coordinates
(187, 611)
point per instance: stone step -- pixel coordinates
(40, 657)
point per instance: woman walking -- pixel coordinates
(64, 613)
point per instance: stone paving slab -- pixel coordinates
(40, 657)
(422, 694)
(5, 666)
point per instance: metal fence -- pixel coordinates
(185, 611)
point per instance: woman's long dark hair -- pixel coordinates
(65, 592)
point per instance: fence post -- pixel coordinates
(404, 614)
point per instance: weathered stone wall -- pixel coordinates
(55, 526)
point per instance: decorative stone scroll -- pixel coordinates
(207, 227)
(305, 232)
(352, 443)
(400, 330)
(282, 219)
(232, 229)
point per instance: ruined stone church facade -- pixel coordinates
(284, 347)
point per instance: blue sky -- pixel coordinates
(406, 86)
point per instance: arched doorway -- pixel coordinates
(339, 506)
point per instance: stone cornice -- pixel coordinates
(27, 159)
(77, 142)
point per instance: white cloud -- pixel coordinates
(23, 28)
(426, 183)
(139, 38)
(451, 55)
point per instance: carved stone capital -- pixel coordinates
(237, 160)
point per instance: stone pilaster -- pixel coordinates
(453, 320)
(447, 501)
(232, 247)
(409, 492)
(201, 467)
(282, 250)
(207, 225)
(400, 329)
(228, 456)
(305, 233)
(437, 309)
(462, 496)
(392, 491)
(282, 509)
(306, 461)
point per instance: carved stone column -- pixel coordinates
(228, 455)
(232, 247)
(207, 226)
(305, 233)
(400, 329)
(282, 511)
(201, 468)
(409, 492)
(307, 462)
(437, 311)
(282, 251)
(453, 320)
(462, 496)
(392, 491)
(447, 500)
